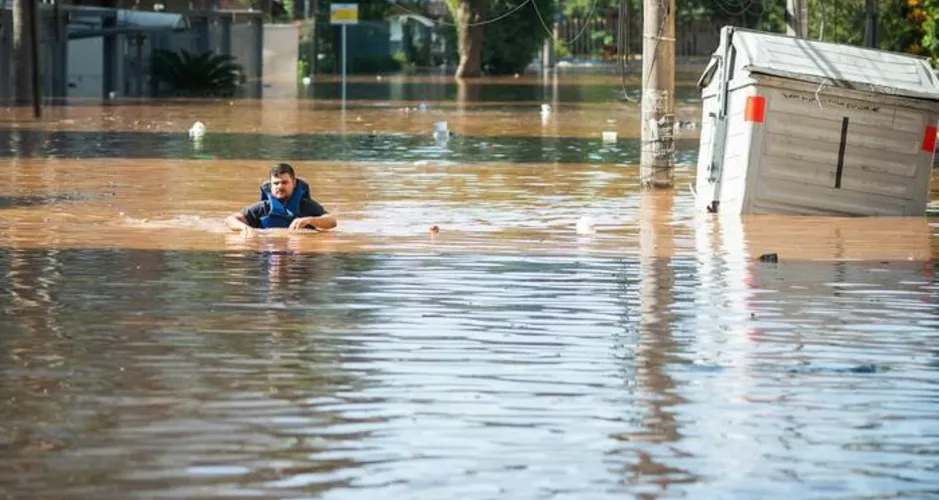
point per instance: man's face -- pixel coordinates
(282, 186)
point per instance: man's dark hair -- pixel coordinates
(283, 168)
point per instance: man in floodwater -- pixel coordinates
(285, 203)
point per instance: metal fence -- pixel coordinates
(600, 37)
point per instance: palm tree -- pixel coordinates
(205, 75)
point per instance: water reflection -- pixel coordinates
(652, 450)
(295, 372)
(185, 350)
(345, 148)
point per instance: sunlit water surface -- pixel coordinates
(148, 352)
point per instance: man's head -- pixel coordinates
(283, 181)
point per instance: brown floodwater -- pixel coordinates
(148, 352)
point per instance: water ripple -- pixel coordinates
(473, 375)
(365, 147)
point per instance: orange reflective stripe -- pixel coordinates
(756, 109)
(929, 139)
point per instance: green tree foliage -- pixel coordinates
(204, 75)
(930, 27)
(511, 43)
(737, 12)
(747, 13)
(327, 35)
(902, 25)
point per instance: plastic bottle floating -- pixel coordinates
(586, 225)
(441, 132)
(609, 136)
(197, 130)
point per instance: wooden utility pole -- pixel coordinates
(797, 18)
(657, 158)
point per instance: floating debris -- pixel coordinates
(586, 225)
(441, 131)
(197, 130)
(685, 125)
(48, 199)
(769, 257)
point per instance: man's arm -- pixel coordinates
(246, 220)
(315, 216)
(237, 222)
(323, 222)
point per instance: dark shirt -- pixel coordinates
(253, 214)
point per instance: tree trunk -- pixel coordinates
(469, 16)
(22, 62)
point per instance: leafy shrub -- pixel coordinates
(205, 75)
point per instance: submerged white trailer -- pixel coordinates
(802, 127)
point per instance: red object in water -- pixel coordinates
(756, 109)
(929, 139)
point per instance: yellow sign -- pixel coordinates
(343, 13)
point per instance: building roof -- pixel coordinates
(833, 64)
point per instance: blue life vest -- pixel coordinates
(281, 215)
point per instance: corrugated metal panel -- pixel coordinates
(796, 168)
(797, 198)
(839, 65)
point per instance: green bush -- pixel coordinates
(400, 57)
(512, 43)
(420, 53)
(204, 75)
(374, 64)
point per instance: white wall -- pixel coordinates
(281, 48)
